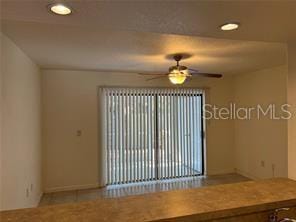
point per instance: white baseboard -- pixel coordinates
(70, 187)
(245, 174)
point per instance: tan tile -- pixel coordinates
(177, 185)
(86, 195)
(156, 187)
(64, 197)
(135, 190)
(45, 200)
(141, 188)
(198, 182)
(112, 193)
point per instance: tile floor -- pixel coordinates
(139, 188)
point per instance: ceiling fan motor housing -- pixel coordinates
(177, 67)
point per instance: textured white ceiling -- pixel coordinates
(137, 36)
(265, 20)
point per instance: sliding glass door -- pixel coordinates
(152, 134)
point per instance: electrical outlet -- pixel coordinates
(78, 133)
(262, 163)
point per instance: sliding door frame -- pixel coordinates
(102, 163)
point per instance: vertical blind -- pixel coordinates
(152, 134)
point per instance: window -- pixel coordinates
(152, 134)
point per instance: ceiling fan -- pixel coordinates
(178, 74)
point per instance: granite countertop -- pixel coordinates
(197, 204)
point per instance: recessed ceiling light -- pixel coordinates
(229, 26)
(60, 9)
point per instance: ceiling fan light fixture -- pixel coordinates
(177, 79)
(60, 9)
(178, 74)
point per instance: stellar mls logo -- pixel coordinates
(233, 111)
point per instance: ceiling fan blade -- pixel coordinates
(193, 70)
(205, 74)
(158, 77)
(211, 75)
(152, 74)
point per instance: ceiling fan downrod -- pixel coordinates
(178, 58)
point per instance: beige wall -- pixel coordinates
(291, 90)
(70, 104)
(21, 127)
(0, 121)
(264, 139)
